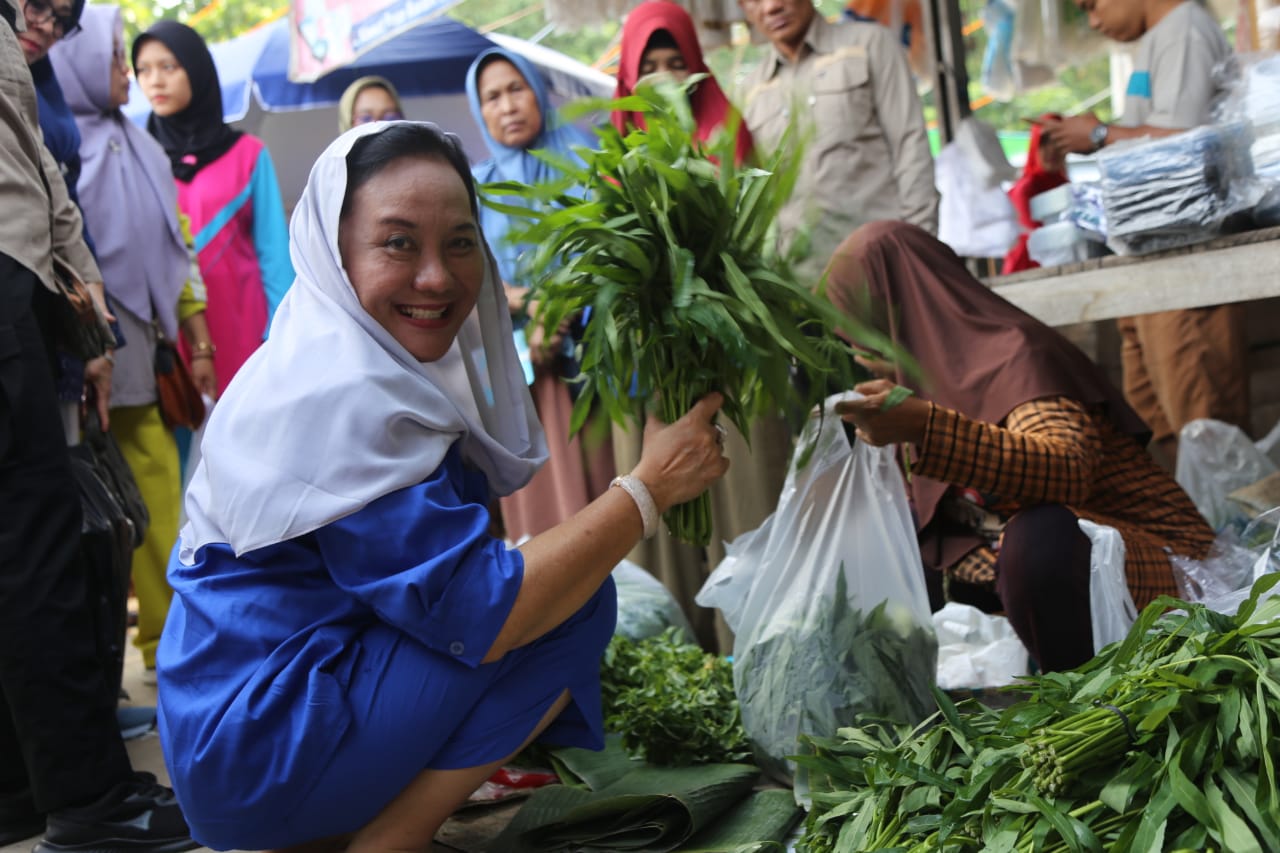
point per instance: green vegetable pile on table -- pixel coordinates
(672, 702)
(1166, 741)
(669, 243)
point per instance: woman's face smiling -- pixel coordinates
(412, 249)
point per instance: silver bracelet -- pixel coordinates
(639, 492)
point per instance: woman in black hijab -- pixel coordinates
(226, 187)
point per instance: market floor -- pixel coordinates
(469, 832)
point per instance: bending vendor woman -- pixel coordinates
(350, 654)
(1016, 436)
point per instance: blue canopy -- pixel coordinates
(430, 59)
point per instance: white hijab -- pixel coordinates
(332, 413)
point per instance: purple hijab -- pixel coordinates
(126, 188)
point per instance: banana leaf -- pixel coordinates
(650, 810)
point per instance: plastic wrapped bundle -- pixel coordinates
(1173, 191)
(1254, 101)
(1262, 109)
(1261, 96)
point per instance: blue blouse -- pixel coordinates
(359, 645)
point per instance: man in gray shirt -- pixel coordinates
(849, 86)
(1178, 365)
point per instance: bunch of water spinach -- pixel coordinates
(669, 244)
(1165, 741)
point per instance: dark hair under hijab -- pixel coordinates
(196, 136)
(369, 155)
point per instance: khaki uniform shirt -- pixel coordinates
(25, 204)
(867, 154)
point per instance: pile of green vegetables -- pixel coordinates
(830, 665)
(672, 703)
(669, 242)
(1166, 741)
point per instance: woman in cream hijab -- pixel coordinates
(349, 653)
(369, 99)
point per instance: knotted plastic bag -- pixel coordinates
(827, 601)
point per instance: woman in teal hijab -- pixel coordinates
(511, 105)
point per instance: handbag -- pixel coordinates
(114, 521)
(80, 329)
(114, 471)
(176, 393)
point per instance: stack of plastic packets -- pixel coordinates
(1261, 104)
(1167, 192)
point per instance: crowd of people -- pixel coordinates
(395, 568)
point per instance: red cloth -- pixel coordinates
(711, 108)
(1035, 179)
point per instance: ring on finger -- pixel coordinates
(721, 432)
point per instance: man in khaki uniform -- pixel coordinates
(849, 86)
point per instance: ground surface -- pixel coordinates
(469, 832)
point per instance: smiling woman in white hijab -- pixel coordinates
(349, 653)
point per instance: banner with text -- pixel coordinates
(328, 34)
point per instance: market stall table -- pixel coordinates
(1235, 268)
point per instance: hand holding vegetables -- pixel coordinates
(680, 461)
(886, 415)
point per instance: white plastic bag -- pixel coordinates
(1111, 605)
(977, 649)
(1215, 459)
(827, 600)
(645, 607)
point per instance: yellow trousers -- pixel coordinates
(152, 454)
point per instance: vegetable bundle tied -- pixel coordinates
(669, 244)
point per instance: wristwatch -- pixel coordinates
(1098, 136)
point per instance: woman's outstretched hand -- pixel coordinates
(681, 460)
(904, 423)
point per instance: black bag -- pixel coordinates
(106, 547)
(110, 465)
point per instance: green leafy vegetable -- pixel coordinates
(669, 242)
(1162, 742)
(827, 666)
(672, 702)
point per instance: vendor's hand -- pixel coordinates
(1068, 135)
(97, 378)
(205, 377)
(681, 460)
(902, 424)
